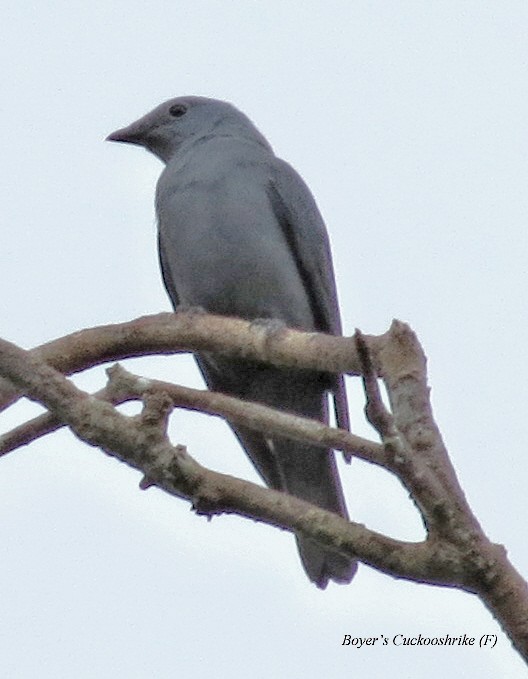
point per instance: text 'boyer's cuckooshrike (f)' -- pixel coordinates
(240, 235)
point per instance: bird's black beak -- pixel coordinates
(128, 135)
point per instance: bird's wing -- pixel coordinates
(217, 380)
(166, 273)
(305, 232)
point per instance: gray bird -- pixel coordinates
(240, 235)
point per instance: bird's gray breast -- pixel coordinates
(222, 241)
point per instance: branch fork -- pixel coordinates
(455, 553)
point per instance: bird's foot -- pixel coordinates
(271, 326)
(190, 309)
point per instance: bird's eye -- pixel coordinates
(178, 110)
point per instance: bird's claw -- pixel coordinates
(272, 326)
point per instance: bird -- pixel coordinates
(240, 235)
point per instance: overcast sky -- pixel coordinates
(408, 121)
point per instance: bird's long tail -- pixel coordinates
(310, 473)
(301, 469)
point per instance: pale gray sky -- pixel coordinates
(408, 121)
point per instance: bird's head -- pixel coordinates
(170, 125)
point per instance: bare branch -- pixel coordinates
(378, 416)
(141, 442)
(47, 423)
(186, 331)
(456, 552)
(251, 415)
(124, 386)
(31, 430)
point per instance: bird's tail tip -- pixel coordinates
(322, 565)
